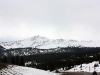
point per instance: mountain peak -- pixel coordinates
(39, 38)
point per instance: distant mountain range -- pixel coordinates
(45, 43)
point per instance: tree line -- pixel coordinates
(53, 61)
(64, 60)
(15, 60)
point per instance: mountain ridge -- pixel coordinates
(45, 43)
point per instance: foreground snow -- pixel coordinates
(18, 70)
(86, 67)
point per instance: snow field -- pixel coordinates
(18, 70)
(86, 68)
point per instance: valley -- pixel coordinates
(58, 55)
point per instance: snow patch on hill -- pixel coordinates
(18, 70)
(86, 67)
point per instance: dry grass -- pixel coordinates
(69, 73)
(3, 65)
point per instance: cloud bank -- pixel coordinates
(67, 19)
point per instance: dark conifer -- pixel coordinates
(5, 59)
(22, 62)
(13, 60)
(17, 60)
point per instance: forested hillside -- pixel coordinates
(68, 58)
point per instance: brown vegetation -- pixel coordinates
(72, 73)
(3, 65)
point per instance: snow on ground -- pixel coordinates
(86, 68)
(18, 70)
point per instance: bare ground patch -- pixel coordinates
(76, 73)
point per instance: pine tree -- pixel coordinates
(81, 66)
(17, 60)
(69, 65)
(13, 60)
(22, 62)
(5, 59)
(51, 67)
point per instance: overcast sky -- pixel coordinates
(54, 19)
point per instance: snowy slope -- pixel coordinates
(45, 43)
(18, 70)
(86, 67)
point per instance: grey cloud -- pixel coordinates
(68, 19)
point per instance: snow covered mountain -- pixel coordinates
(45, 43)
(19, 70)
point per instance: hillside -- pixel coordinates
(45, 43)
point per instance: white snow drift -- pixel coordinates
(86, 67)
(18, 70)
